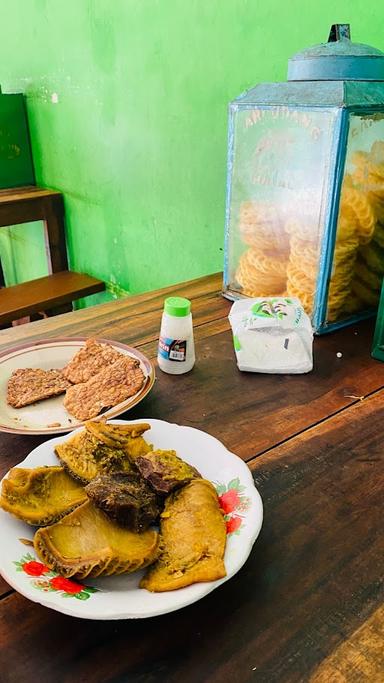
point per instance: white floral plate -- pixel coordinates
(49, 416)
(119, 597)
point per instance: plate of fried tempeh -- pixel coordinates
(54, 385)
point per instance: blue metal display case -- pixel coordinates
(305, 189)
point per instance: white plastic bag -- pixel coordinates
(272, 335)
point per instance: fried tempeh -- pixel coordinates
(29, 385)
(87, 362)
(107, 388)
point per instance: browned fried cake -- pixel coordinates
(126, 498)
(92, 358)
(28, 385)
(193, 537)
(165, 471)
(87, 543)
(107, 388)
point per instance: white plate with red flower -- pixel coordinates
(119, 597)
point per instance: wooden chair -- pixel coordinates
(56, 292)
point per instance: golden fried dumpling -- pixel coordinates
(41, 495)
(87, 543)
(193, 537)
(86, 454)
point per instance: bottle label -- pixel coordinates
(173, 349)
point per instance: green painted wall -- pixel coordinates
(127, 103)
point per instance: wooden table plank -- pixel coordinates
(125, 318)
(313, 578)
(4, 587)
(250, 412)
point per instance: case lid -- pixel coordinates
(338, 59)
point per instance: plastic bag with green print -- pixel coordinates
(272, 335)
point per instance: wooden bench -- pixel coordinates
(56, 292)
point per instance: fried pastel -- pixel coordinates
(165, 471)
(193, 537)
(40, 496)
(87, 543)
(86, 456)
(126, 498)
(28, 385)
(87, 362)
(107, 388)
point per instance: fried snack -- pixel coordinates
(347, 225)
(28, 385)
(369, 277)
(126, 499)
(107, 388)
(193, 537)
(378, 235)
(260, 226)
(355, 201)
(305, 298)
(41, 495)
(345, 251)
(165, 471)
(336, 303)
(269, 262)
(365, 294)
(302, 281)
(296, 228)
(352, 305)
(303, 251)
(87, 362)
(266, 278)
(87, 543)
(86, 456)
(116, 435)
(373, 256)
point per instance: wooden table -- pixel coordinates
(308, 604)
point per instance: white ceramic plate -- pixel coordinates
(119, 597)
(49, 416)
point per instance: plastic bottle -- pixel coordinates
(176, 353)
